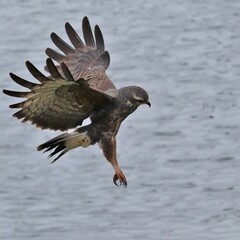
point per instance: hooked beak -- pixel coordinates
(149, 104)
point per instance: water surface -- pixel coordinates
(181, 157)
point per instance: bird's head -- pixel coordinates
(135, 96)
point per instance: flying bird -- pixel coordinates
(78, 88)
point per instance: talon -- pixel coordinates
(119, 176)
(115, 178)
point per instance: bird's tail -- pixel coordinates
(65, 142)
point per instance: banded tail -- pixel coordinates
(64, 143)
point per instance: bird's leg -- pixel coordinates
(108, 146)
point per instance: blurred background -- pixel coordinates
(181, 157)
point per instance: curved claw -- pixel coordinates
(121, 178)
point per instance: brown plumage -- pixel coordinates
(78, 88)
(88, 61)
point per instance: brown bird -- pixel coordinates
(78, 88)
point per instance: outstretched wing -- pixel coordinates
(58, 102)
(88, 61)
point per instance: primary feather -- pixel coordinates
(57, 103)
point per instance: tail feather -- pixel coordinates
(64, 143)
(61, 154)
(58, 149)
(52, 142)
(49, 148)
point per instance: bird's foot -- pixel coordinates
(119, 179)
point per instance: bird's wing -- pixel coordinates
(58, 102)
(87, 60)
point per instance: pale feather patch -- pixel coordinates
(137, 97)
(77, 140)
(129, 103)
(100, 144)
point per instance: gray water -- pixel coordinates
(181, 157)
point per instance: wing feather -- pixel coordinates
(62, 45)
(52, 69)
(87, 33)
(105, 57)
(36, 73)
(55, 55)
(66, 72)
(57, 103)
(88, 61)
(73, 36)
(22, 81)
(99, 39)
(15, 93)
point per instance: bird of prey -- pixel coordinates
(78, 88)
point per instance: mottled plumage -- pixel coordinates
(78, 88)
